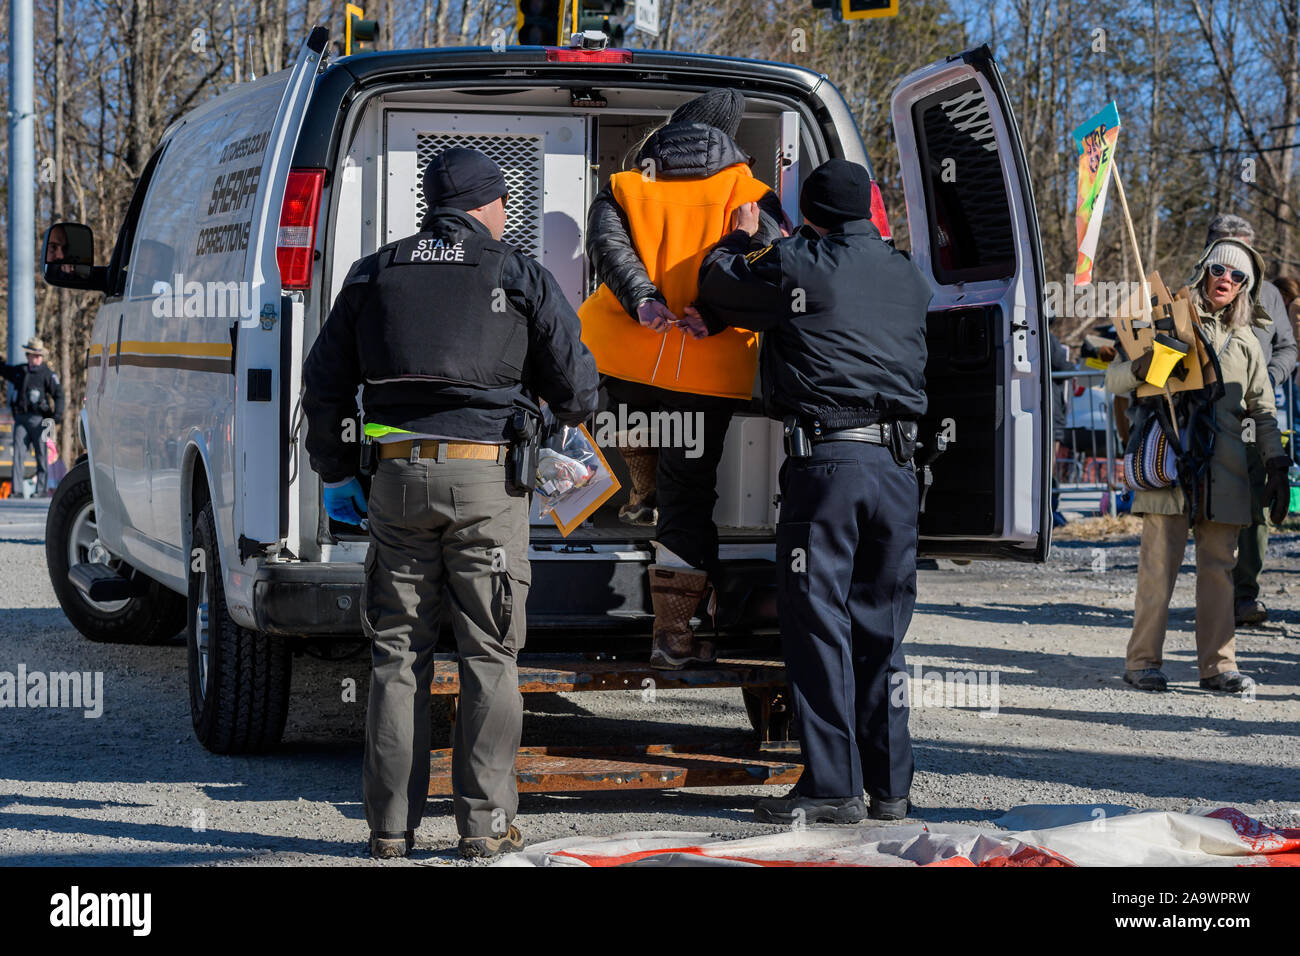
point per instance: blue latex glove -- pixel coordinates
(346, 502)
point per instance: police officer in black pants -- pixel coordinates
(37, 404)
(453, 336)
(843, 359)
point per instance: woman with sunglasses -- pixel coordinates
(1223, 291)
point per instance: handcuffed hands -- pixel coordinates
(693, 323)
(655, 316)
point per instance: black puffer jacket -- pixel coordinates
(678, 151)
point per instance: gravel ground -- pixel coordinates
(133, 786)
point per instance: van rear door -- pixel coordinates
(974, 234)
(260, 412)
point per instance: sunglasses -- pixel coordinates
(1217, 269)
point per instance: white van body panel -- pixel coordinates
(166, 395)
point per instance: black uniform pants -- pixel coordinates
(846, 572)
(28, 432)
(686, 479)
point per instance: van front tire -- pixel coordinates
(72, 537)
(239, 679)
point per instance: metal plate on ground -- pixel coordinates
(563, 673)
(645, 767)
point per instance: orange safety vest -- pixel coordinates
(673, 225)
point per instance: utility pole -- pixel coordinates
(22, 194)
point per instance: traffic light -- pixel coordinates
(538, 22)
(863, 9)
(595, 14)
(358, 29)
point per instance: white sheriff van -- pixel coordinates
(195, 508)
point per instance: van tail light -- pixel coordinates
(295, 241)
(879, 219)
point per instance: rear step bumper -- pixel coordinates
(100, 583)
(324, 598)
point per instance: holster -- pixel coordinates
(795, 437)
(521, 460)
(902, 441)
(369, 457)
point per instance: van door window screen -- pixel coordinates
(971, 234)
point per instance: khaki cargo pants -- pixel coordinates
(444, 535)
(1164, 540)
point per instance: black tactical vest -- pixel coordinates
(33, 398)
(437, 314)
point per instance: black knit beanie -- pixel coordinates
(720, 108)
(836, 192)
(462, 179)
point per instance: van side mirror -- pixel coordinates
(69, 258)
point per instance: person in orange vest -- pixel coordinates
(647, 234)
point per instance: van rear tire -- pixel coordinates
(71, 537)
(239, 679)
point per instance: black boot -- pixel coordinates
(794, 806)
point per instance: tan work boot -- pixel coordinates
(390, 846)
(675, 593)
(486, 848)
(641, 465)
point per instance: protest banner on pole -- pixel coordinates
(1095, 140)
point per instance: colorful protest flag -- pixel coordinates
(1095, 141)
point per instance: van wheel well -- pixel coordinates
(199, 494)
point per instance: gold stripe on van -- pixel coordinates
(188, 356)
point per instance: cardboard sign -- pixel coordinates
(1174, 316)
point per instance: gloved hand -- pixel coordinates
(345, 502)
(1142, 364)
(1277, 490)
(47, 424)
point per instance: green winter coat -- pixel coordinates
(1247, 394)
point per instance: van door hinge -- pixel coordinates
(248, 548)
(269, 315)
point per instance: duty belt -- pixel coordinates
(877, 434)
(429, 449)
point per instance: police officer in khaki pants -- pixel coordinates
(453, 336)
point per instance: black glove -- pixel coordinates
(1277, 490)
(1142, 364)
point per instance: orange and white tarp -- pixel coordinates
(1046, 836)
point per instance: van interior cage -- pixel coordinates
(520, 159)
